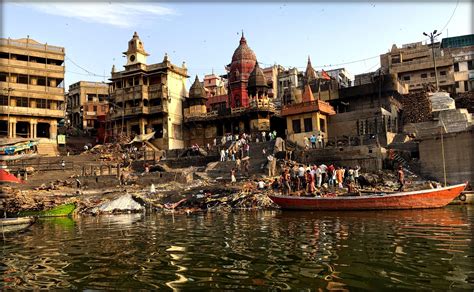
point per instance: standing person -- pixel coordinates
(356, 175)
(301, 176)
(320, 141)
(264, 138)
(247, 149)
(309, 182)
(214, 142)
(312, 139)
(233, 180)
(331, 175)
(63, 164)
(271, 170)
(319, 176)
(306, 143)
(222, 154)
(401, 179)
(264, 152)
(339, 176)
(247, 167)
(286, 182)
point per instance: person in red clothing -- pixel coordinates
(309, 182)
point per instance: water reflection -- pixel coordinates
(418, 249)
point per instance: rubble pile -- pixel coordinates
(416, 107)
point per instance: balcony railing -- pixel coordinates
(28, 111)
(45, 47)
(32, 65)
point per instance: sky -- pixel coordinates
(205, 34)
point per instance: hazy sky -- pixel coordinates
(205, 35)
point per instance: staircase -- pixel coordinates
(257, 159)
(48, 149)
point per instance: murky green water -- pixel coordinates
(393, 250)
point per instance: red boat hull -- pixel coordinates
(6, 177)
(431, 198)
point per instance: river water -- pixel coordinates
(266, 250)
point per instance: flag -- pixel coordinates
(325, 75)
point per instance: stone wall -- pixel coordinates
(459, 156)
(367, 157)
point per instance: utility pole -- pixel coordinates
(432, 37)
(9, 130)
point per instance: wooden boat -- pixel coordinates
(6, 177)
(15, 224)
(431, 198)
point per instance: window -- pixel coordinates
(22, 101)
(442, 73)
(158, 128)
(322, 125)
(3, 77)
(3, 100)
(456, 67)
(470, 65)
(466, 85)
(296, 126)
(308, 125)
(457, 84)
(95, 108)
(41, 103)
(406, 78)
(432, 74)
(424, 75)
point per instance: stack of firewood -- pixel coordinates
(465, 100)
(416, 107)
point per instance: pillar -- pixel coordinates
(53, 130)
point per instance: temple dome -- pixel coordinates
(197, 90)
(257, 78)
(243, 51)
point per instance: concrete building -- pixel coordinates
(413, 65)
(31, 89)
(85, 102)
(342, 76)
(368, 113)
(461, 48)
(214, 85)
(288, 80)
(147, 98)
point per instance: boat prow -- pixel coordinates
(430, 198)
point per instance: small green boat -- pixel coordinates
(58, 211)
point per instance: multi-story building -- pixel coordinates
(215, 85)
(461, 48)
(288, 81)
(413, 64)
(85, 102)
(31, 88)
(342, 76)
(147, 98)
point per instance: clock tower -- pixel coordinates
(135, 53)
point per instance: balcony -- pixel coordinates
(139, 110)
(33, 88)
(27, 111)
(421, 64)
(308, 107)
(45, 47)
(32, 65)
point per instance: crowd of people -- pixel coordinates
(309, 178)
